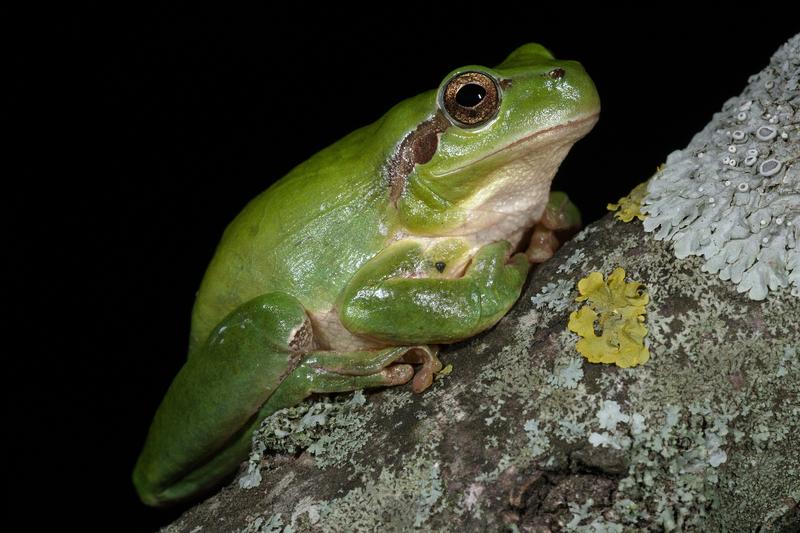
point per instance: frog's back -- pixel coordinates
(305, 235)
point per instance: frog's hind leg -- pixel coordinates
(261, 358)
(560, 221)
(333, 371)
(201, 430)
(367, 363)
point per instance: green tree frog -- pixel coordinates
(414, 231)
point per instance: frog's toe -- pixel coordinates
(544, 244)
(426, 356)
(560, 221)
(397, 374)
(423, 379)
(561, 215)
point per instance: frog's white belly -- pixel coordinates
(330, 334)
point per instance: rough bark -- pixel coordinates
(525, 434)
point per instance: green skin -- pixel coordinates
(343, 274)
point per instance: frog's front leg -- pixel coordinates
(560, 221)
(403, 295)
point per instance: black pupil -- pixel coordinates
(470, 95)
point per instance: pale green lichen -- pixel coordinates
(272, 524)
(395, 402)
(327, 427)
(307, 510)
(554, 297)
(610, 415)
(581, 512)
(296, 428)
(417, 490)
(567, 372)
(731, 196)
(585, 233)
(576, 261)
(570, 430)
(538, 441)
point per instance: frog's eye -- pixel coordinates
(470, 99)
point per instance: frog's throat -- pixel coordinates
(518, 190)
(574, 129)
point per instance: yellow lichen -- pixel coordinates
(443, 372)
(616, 309)
(629, 207)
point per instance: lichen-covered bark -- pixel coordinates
(733, 195)
(524, 434)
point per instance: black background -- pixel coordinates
(140, 135)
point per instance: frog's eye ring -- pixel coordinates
(470, 99)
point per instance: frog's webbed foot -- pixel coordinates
(560, 221)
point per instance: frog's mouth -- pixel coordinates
(518, 183)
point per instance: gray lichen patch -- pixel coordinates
(733, 195)
(328, 428)
(415, 495)
(402, 497)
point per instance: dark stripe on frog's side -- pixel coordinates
(418, 147)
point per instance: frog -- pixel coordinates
(352, 270)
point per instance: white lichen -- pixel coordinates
(610, 415)
(554, 297)
(567, 372)
(538, 441)
(733, 195)
(576, 260)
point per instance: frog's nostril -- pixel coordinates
(557, 73)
